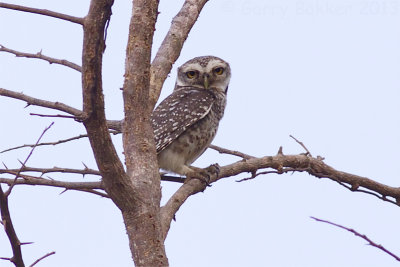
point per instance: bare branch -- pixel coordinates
(62, 141)
(85, 171)
(10, 231)
(370, 242)
(44, 12)
(41, 258)
(32, 180)
(222, 150)
(302, 145)
(171, 47)
(281, 164)
(39, 55)
(54, 116)
(47, 143)
(42, 103)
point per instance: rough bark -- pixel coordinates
(143, 222)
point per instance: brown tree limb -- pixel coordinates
(10, 231)
(172, 44)
(43, 12)
(108, 162)
(39, 55)
(279, 163)
(85, 171)
(33, 180)
(370, 242)
(76, 113)
(42, 103)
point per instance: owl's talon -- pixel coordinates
(213, 169)
(202, 175)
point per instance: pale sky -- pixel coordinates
(327, 72)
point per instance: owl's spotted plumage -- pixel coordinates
(186, 121)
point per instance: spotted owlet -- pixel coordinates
(186, 121)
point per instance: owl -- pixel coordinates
(187, 120)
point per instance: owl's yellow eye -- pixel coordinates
(191, 74)
(219, 70)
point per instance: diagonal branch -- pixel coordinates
(42, 258)
(39, 55)
(222, 150)
(10, 231)
(370, 242)
(43, 12)
(17, 174)
(171, 47)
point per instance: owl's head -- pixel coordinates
(207, 72)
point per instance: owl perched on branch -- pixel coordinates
(186, 121)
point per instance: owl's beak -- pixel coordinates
(206, 81)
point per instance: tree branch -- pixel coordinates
(10, 231)
(43, 12)
(222, 150)
(85, 171)
(46, 143)
(39, 55)
(171, 47)
(370, 242)
(296, 163)
(32, 180)
(42, 103)
(41, 258)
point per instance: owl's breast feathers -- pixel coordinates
(180, 110)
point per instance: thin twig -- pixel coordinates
(85, 171)
(370, 242)
(39, 55)
(8, 192)
(43, 103)
(41, 258)
(46, 143)
(222, 150)
(90, 187)
(54, 116)
(302, 145)
(55, 142)
(10, 231)
(43, 12)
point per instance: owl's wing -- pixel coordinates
(178, 112)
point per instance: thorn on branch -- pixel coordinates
(280, 151)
